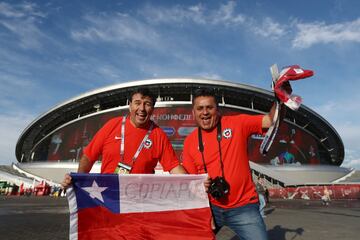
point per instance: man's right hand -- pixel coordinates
(207, 183)
(66, 182)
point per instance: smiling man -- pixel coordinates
(130, 144)
(219, 147)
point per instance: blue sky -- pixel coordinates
(51, 51)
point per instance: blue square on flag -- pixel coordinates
(97, 190)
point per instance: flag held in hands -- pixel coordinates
(139, 206)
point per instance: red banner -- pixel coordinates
(334, 192)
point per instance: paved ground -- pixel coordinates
(43, 218)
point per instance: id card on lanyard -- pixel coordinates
(122, 168)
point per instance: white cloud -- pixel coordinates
(117, 28)
(109, 72)
(269, 28)
(350, 133)
(198, 14)
(345, 110)
(174, 14)
(226, 14)
(354, 163)
(344, 115)
(13, 82)
(128, 33)
(22, 20)
(352, 159)
(11, 126)
(327, 108)
(314, 33)
(14, 89)
(8, 11)
(20, 10)
(143, 29)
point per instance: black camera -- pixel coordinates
(218, 187)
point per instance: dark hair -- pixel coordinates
(205, 92)
(145, 92)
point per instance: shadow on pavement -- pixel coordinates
(269, 210)
(279, 233)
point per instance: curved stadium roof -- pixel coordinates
(247, 97)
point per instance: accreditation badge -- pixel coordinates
(122, 169)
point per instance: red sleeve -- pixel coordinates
(250, 124)
(188, 161)
(168, 159)
(94, 149)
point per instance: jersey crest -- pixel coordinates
(227, 133)
(148, 143)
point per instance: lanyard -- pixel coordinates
(201, 147)
(122, 145)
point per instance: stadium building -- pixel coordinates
(307, 148)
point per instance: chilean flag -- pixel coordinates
(139, 206)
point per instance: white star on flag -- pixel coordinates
(95, 191)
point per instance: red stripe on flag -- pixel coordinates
(100, 223)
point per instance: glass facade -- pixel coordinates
(292, 145)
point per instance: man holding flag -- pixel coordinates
(130, 144)
(119, 205)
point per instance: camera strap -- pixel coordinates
(201, 146)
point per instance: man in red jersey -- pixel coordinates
(219, 147)
(130, 144)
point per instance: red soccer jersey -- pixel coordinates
(235, 132)
(107, 142)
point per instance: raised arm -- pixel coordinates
(268, 118)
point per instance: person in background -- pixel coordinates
(326, 197)
(260, 189)
(267, 197)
